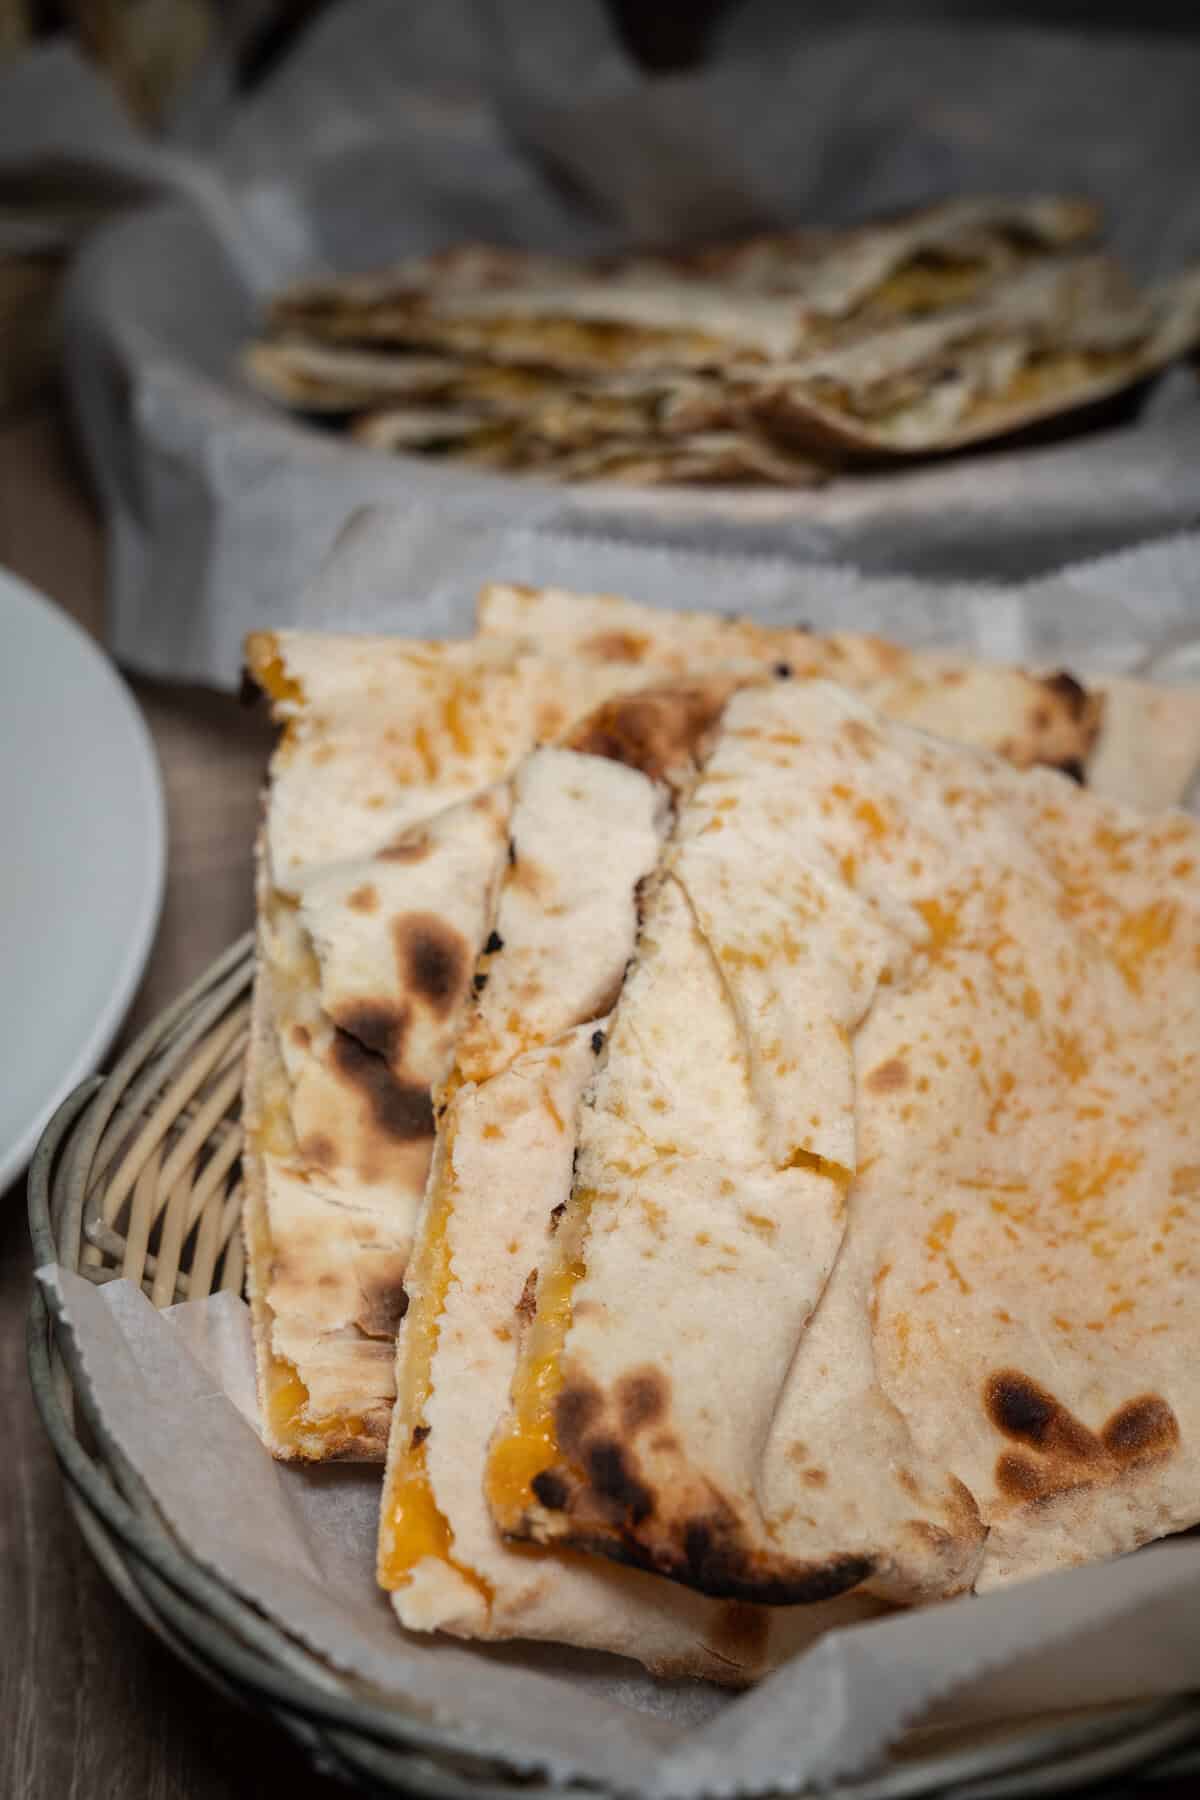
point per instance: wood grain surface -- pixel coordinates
(92, 1707)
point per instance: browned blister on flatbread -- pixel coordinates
(961, 1355)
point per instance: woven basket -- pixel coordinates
(137, 1175)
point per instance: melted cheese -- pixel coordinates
(529, 1445)
(266, 664)
(413, 1525)
(923, 287)
(287, 1408)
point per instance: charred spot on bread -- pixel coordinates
(1021, 1409)
(433, 958)
(1072, 693)
(612, 1478)
(378, 1026)
(550, 1490)
(642, 1397)
(402, 1110)
(1142, 1429)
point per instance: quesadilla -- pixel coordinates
(585, 833)
(383, 836)
(382, 840)
(875, 1268)
(939, 256)
(1131, 740)
(1057, 340)
(543, 445)
(648, 312)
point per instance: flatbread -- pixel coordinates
(941, 255)
(360, 987)
(575, 444)
(322, 378)
(331, 378)
(587, 832)
(643, 312)
(1027, 718)
(884, 1221)
(1057, 340)
(384, 833)
(1130, 740)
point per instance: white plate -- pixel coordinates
(82, 830)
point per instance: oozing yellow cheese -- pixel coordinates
(530, 1444)
(1056, 372)
(412, 1524)
(287, 1401)
(921, 287)
(267, 666)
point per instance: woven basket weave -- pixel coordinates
(138, 1175)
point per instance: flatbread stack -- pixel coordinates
(773, 359)
(722, 1113)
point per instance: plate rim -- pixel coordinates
(129, 966)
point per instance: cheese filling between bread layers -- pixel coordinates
(530, 1445)
(287, 1396)
(415, 1526)
(1041, 376)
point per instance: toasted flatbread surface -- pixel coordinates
(1027, 718)
(587, 832)
(915, 1114)
(1129, 740)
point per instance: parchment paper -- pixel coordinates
(391, 129)
(176, 1390)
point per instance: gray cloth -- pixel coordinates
(389, 130)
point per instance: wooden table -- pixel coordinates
(92, 1706)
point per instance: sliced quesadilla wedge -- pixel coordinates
(384, 833)
(1131, 740)
(1056, 341)
(585, 833)
(686, 311)
(991, 1054)
(716, 1149)
(646, 458)
(328, 378)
